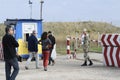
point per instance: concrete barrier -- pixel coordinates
(111, 49)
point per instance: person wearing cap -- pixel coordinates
(10, 54)
(52, 39)
(85, 45)
(33, 49)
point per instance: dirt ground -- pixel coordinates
(67, 69)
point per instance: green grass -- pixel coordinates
(96, 49)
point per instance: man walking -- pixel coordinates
(85, 44)
(33, 49)
(10, 56)
(52, 39)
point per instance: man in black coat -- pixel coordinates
(52, 39)
(10, 56)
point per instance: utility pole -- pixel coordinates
(41, 6)
(30, 3)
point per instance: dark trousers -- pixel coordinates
(50, 58)
(8, 65)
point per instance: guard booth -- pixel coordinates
(23, 29)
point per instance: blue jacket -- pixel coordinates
(32, 44)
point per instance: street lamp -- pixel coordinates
(41, 4)
(30, 3)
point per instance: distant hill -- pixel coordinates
(61, 29)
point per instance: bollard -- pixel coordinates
(68, 48)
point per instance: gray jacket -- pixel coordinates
(46, 44)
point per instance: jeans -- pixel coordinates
(11, 63)
(31, 55)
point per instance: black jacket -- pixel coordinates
(52, 39)
(9, 47)
(32, 44)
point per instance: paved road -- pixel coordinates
(65, 69)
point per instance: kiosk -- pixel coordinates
(23, 29)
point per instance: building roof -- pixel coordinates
(14, 21)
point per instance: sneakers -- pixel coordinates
(45, 69)
(37, 67)
(53, 63)
(26, 68)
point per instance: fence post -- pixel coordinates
(68, 47)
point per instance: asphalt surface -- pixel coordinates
(67, 69)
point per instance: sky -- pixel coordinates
(63, 10)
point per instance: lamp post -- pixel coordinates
(30, 3)
(41, 5)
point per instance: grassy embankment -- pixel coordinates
(62, 29)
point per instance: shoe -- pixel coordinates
(37, 67)
(45, 69)
(19, 58)
(26, 68)
(49, 64)
(84, 64)
(91, 63)
(53, 63)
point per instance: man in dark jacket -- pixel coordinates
(52, 39)
(33, 49)
(10, 56)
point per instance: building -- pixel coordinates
(23, 29)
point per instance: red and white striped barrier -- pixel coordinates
(1, 52)
(69, 56)
(111, 56)
(110, 40)
(68, 45)
(111, 49)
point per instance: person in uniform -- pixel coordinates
(85, 41)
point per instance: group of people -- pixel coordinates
(47, 41)
(11, 57)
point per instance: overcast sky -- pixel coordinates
(63, 10)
